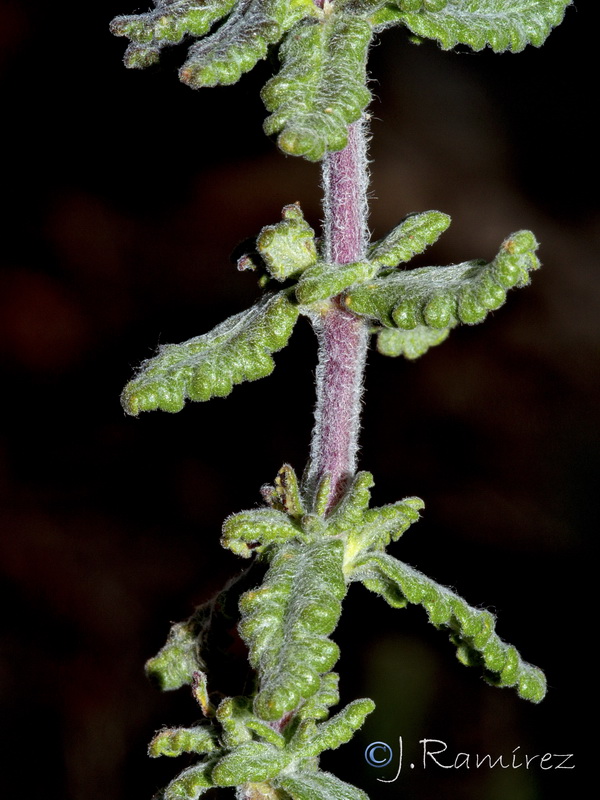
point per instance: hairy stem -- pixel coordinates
(342, 336)
(345, 184)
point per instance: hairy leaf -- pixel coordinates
(252, 531)
(318, 785)
(237, 350)
(251, 761)
(178, 660)
(240, 724)
(362, 527)
(317, 707)
(287, 620)
(324, 280)
(338, 730)
(472, 630)
(384, 524)
(166, 25)
(236, 46)
(410, 344)
(237, 757)
(500, 24)
(408, 239)
(265, 731)
(350, 509)
(351, 521)
(442, 297)
(285, 494)
(321, 88)
(232, 715)
(191, 783)
(288, 247)
(175, 741)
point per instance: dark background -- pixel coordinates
(125, 193)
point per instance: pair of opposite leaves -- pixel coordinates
(321, 86)
(409, 310)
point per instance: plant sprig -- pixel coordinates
(311, 541)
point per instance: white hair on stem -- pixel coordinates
(342, 336)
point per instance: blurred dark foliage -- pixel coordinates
(124, 194)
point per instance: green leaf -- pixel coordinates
(442, 297)
(285, 494)
(232, 714)
(178, 660)
(321, 88)
(251, 761)
(472, 630)
(175, 741)
(287, 620)
(327, 280)
(349, 510)
(499, 24)
(383, 525)
(288, 247)
(239, 43)
(338, 730)
(239, 724)
(410, 344)
(318, 786)
(251, 531)
(384, 15)
(191, 783)
(265, 731)
(237, 350)
(361, 527)
(408, 239)
(317, 706)
(166, 25)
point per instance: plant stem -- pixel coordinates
(342, 339)
(342, 336)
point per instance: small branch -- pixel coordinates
(342, 336)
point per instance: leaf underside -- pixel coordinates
(237, 350)
(472, 630)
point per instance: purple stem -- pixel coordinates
(342, 336)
